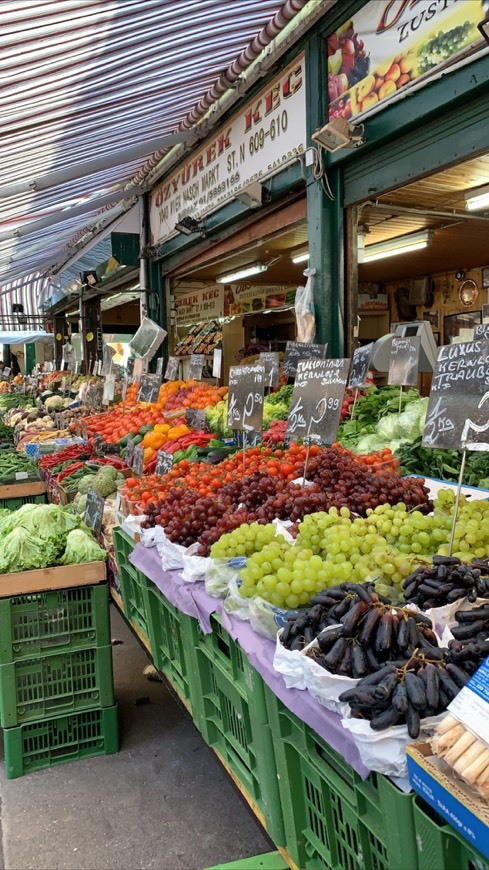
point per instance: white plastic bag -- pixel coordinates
(151, 537)
(266, 618)
(235, 603)
(385, 751)
(194, 566)
(289, 663)
(218, 576)
(324, 686)
(304, 309)
(171, 554)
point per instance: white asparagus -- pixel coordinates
(443, 742)
(483, 778)
(465, 760)
(446, 724)
(471, 772)
(461, 746)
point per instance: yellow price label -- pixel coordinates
(89, 336)
(58, 336)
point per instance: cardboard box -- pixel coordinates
(453, 799)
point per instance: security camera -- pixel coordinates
(339, 134)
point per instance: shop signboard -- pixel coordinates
(458, 409)
(248, 299)
(205, 303)
(404, 361)
(245, 403)
(297, 350)
(255, 144)
(388, 44)
(317, 399)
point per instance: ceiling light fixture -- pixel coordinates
(245, 272)
(477, 198)
(399, 245)
(252, 195)
(301, 258)
(188, 226)
(339, 134)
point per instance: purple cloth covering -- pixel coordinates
(192, 599)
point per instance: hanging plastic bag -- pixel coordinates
(289, 663)
(304, 309)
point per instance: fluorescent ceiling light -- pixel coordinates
(254, 269)
(399, 245)
(478, 198)
(301, 258)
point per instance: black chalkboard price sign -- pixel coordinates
(196, 418)
(360, 365)
(94, 511)
(130, 369)
(164, 462)
(197, 363)
(159, 368)
(317, 399)
(404, 361)
(270, 361)
(172, 368)
(128, 456)
(482, 331)
(138, 460)
(296, 350)
(458, 408)
(245, 401)
(149, 388)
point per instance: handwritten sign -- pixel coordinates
(270, 360)
(172, 368)
(149, 388)
(404, 361)
(164, 462)
(197, 363)
(197, 419)
(245, 401)
(317, 399)
(138, 460)
(217, 363)
(360, 365)
(130, 370)
(94, 512)
(482, 331)
(458, 408)
(297, 350)
(128, 456)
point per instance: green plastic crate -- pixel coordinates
(133, 591)
(268, 861)
(43, 622)
(440, 846)
(229, 709)
(38, 745)
(13, 504)
(32, 689)
(169, 629)
(123, 545)
(332, 818)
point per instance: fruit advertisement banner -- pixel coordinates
(249, 298)
(390, 43)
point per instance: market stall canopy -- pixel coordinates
(25, 336)
(93, 94)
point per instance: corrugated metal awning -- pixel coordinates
(84, 82)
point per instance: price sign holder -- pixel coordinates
(138, 460)
(360, 366)
(270, 360)
(149, 389)
(297, 350)
(197, 363)
(94, 512)
(245, 399)
(128, 456)
(316, 404)
(172, 368)
(164, 463)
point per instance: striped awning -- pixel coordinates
(84, 84)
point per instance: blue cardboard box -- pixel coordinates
(456, 802)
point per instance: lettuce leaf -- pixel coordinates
(82, 547)
(22, 550)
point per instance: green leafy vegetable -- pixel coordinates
(82, 547)
(22, 550)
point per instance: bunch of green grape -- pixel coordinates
(246, 539)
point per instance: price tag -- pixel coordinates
(317, 399)
(84, 430)
(270, 360)
(360, 365)
(94, 512)
(159, 368)
(482, 331)
(404, 361)
(196, 419)
(149, 389)
(138, 460)
(164, 462)
(458, 408)
(139, 368)
(217, 363)
(172, 368)
(7, 371)
(297, 350)
(197, 363)
(109, 389)
(21, 475)
(130, 370)
(129, 453)
(98, 443)
(246, 390)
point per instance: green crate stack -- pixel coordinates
(440, 846)
(133, 583)
(13, 504)
(50, 742)
(55, 663)
(229, 708)
(169, 629)
(332, 818)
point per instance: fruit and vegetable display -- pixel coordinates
(13, 463)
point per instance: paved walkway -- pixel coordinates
(163, 802)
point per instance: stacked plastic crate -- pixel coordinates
(56, 680)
